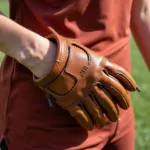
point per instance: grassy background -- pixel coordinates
(4, 8)
(140, 101)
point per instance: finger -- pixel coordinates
(107, 103)
(116, 90)
(95, 112)
(122, 75)
(82, 117)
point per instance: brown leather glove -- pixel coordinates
(84, 84)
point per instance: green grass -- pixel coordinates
(4, 8)
(141, 101)
(1, 56)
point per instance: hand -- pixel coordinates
(84, 83)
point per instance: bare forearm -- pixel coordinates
(14, 39)
(24, 45)
(141, 27)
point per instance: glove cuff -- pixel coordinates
(60, 62)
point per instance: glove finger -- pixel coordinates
(82, 117)
(122, 75)
(95, 112)
(107, 103)
(116, 90)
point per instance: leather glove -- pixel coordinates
(84, 84)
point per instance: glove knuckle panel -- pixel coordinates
(67, 86)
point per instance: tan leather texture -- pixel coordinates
(87, 85)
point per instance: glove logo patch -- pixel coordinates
(83, 71)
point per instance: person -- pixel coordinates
(27, 120)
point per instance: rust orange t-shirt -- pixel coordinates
(25, 115)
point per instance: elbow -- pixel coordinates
(145, 14)
(140, 16)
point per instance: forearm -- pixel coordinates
(140, 24)
(24, 45)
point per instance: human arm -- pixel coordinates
(27, 47)
(78, 72)
(140, 25)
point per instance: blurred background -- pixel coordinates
(141, 101)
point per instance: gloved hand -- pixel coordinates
(84, 84)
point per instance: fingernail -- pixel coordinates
(119, 119)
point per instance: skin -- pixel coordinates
(32, 50)
(140, 25)
(27, 47)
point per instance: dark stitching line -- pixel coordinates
(67, 74)
(77, 102)
(88, 55)
(120, 95)
(61, 71)
(119, 73)
(66, 92)
(89, 60)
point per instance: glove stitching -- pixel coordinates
(120, 95)
(86, 52)
(69, 74)
(119, 73)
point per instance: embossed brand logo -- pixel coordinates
(83, 71)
